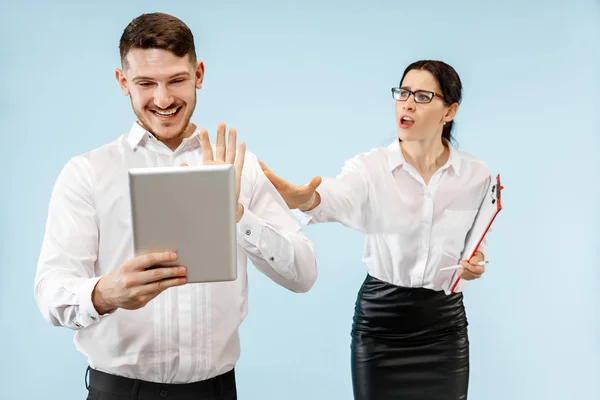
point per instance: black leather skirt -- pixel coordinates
(409, 344)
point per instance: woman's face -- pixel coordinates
(417, 117)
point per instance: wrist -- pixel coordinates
(312, 203)
(99, 301)
(239, 212)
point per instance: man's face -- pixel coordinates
(162, 89)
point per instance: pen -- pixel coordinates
(480, 263)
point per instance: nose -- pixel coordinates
(410, 103)
(162, 97)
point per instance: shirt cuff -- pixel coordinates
(311, 216)
(249, 229)
(87, 312)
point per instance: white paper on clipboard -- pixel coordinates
(489, 209)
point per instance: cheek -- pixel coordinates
(185, 94)
(430, 116)
(141, 98)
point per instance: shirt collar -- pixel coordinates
(396, 158)
(137, 134)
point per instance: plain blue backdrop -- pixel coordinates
(307, 85)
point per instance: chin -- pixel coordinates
(407, 136)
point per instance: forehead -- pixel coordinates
(420, 79)
(156, 63)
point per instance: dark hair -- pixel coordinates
(158, 31)
(449, 83)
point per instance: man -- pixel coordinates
(145, 332)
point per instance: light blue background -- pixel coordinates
(308, 87)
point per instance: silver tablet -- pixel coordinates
(190, 210)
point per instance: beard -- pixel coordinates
(154, 127)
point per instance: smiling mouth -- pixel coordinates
(170, 113)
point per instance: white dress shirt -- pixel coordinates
(412, 229)
(187, 333)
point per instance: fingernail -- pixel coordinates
(182, 270)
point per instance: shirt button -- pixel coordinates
(93, 318)
(272, 258)
(164, 393)
(248, 232)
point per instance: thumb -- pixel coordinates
(314, 183)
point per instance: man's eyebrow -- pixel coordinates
(147, 78)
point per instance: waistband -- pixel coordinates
(396, 311)
(124, 386)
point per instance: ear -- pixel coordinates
(120, 75)
(199, 74)
(451, 112)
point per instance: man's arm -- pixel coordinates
(65, 273)
(271, 237)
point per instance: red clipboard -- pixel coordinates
(489, 209)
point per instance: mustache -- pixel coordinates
(171, 107)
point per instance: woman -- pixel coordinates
(415, 200)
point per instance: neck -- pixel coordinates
(427, 156)
(174, 142)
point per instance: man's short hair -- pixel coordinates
(158, 31)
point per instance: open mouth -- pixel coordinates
(406, 122)
(167, 114)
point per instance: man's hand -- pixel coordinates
(133, 285)
(471, 269)
(226, 154)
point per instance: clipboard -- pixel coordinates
(488, 211)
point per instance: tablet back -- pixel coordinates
(190, 210)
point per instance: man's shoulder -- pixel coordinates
(101, 158)
(108, 150)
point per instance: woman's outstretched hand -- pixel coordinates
(303, 198)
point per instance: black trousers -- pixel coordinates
(103, 386)
(409, 344)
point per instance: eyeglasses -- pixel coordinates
(420, 96)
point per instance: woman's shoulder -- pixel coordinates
(469, 157)
(471, 162)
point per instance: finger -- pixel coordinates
(275, 180)
(231, 146)
(145, 261)
(155, 288)
(475, 269)
(183, 164)
(207, 153)
(240, 158)
(220, 156)
(476, 259)
(161, 273)
(468, 275)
